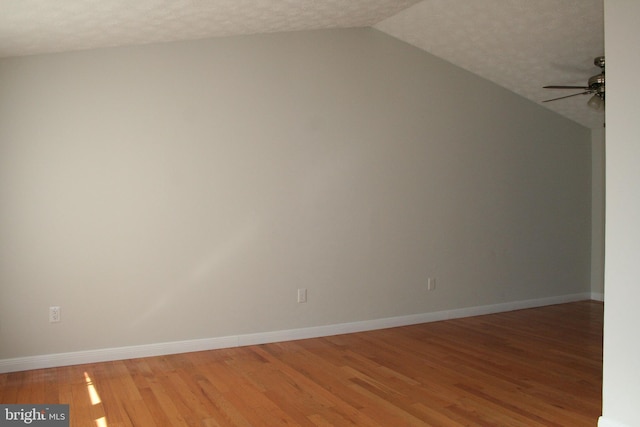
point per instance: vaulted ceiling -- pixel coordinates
(521, 45)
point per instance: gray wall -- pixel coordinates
(181, 191)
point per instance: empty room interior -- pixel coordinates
(374, 204)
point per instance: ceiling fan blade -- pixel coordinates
(569, 96)
(565, 87)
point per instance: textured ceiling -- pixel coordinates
(522, 45)
(37, 26)
(519, 44)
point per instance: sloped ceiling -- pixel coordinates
(521, 45)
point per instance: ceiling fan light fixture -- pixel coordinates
(596, 102)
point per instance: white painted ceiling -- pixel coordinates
(521, 45)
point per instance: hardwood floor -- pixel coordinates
(535, 367)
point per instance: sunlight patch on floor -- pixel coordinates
(95, 399)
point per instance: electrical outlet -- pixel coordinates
(54, 314)
(431, 284)
(302, 295)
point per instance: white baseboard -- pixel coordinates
(596, 296)
(132, 352)
(604, 422)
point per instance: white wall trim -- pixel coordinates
(604, 422)
(117, 353)
(597, 296)
(159, 349)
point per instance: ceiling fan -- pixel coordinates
(595, 86)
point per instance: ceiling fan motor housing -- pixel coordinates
(597, 82)
(596, 86)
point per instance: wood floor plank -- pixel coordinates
(535, 367)
(324, 378)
